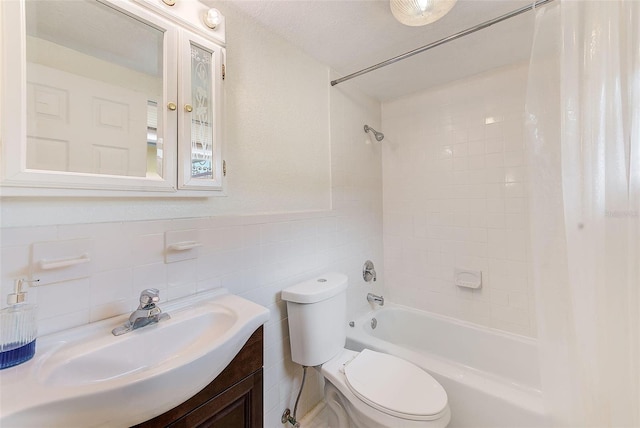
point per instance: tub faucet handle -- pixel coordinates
(369, 271)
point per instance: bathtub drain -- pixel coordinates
(374, 323)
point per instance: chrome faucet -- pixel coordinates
(147, 313)
(375, 299)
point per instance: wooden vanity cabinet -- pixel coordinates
(232, 400)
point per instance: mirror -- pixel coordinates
(94, 83)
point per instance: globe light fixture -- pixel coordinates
(420, 12)
(212, 18)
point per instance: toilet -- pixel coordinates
(366, 389)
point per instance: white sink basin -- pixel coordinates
(86, 377)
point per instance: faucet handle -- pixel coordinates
(149, 297)
(368, 271)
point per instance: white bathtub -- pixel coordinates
(491, 377)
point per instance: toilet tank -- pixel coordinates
(317, 318)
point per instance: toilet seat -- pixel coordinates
(395, 386)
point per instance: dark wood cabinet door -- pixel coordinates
(232, 400)
(238, 407)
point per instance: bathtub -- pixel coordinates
(491, 377)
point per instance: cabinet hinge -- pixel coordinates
(224, 168)
(224, 71)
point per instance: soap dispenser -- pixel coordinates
(18, 328)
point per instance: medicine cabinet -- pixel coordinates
(111, 97)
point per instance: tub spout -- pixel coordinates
(375, 299)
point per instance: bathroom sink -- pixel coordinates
(88, 377)
(104, 358)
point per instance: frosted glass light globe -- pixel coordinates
(212, 18)
(420, 12)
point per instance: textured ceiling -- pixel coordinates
(349, 35)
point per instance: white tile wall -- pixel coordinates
(254, 256)
(454, 186)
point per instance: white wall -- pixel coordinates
(295, 148)
(455, 196)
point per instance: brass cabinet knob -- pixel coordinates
(188, 108)
(172, 106)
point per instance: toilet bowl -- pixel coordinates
(364, 389)
(374, 390)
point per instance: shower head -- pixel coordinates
(379, 135)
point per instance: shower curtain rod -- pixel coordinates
(441, 41)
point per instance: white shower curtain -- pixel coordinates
(583, 120)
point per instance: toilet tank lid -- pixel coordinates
(316, 289)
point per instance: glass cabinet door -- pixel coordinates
(200, 163)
